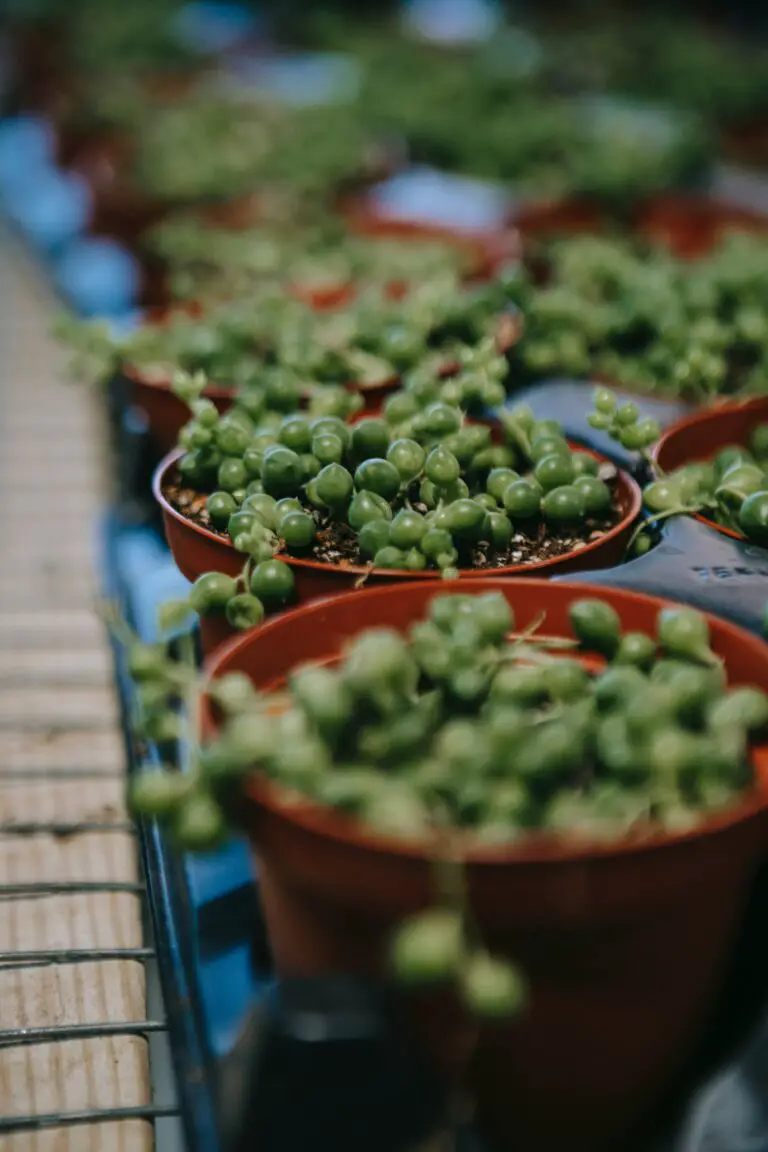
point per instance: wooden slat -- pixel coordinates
(58, 716)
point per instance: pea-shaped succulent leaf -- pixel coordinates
(220, 506)
(407, 529)
(493, 616)
(211, 592)
(324, 697)
(753, 516)
(595, 493)
(637, 649)
(466, 519)
(617, 686)
(604, 400)
(745, 708)
(380, 476)
(233, 692)
(369, 438)
(296, 433)
(390, 558)
(373, 537)
(428, 948)
(442, 467)
(297, 530)
(397, 810)
(249, 738)
(499, 480)
(147, 661)
(435, 541)
(684, 633)
(408, 457)
(522, 500)
(281, 472)
(244, 611)
(596, 625)
(521, 685)
(438, 420)
(232, 474)
(563, 505)
(492, 988)
(272, 582)
(199, 824)
(380, 667)
(158, 793)
(501, 530)
(328, 448)
(567, 680)
(554, 471)
(662, 495)
(334, 486)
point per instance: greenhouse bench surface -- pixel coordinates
(75, 961)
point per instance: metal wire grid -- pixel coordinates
(160, 891)
(12, 1037)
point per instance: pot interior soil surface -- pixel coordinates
(336, 543)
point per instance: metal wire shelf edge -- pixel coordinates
(61, 1033)
(149, 1112)
(168, 898)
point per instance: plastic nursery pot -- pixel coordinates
(701, 435)
(120, 208)
(166, 414)
(196, 550)
(558, 217)
(624, 944)
(687, 224)
(487, 251)
(239, 213)
(692, 226)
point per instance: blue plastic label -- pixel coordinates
(99, 277)
(303, 80)
(215, 27)
(453, 21)
(427, 196)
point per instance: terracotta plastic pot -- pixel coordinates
(196, 550)
(120, 208)
(558, 217)
(239, 213)
(687, 224)
(692, 226)
(701, 435)
(166, 414)
(625, 945)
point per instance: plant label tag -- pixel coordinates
(303, 80)
(452, 21)
(215, 27)
(426, 196)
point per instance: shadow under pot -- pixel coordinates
(624, 943)
(701, 437)
(197, 549)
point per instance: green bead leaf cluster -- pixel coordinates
(371, 339)
(419, 487)
(208, 262)
(639, 317)
(731, 488)
(623, 422)
(464, 729)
